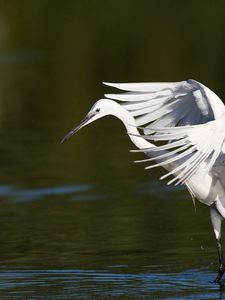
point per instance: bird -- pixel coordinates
(181, 127)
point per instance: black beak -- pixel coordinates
(76, 128)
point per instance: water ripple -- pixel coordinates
(92, 284)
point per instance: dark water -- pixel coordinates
(80, 220)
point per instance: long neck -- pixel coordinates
(129, 122)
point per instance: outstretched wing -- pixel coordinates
(185, 114)
(191, 147)
(169, 104)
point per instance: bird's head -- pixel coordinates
(101, 108)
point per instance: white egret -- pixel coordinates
(190, 121)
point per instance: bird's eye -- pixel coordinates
(97, 110)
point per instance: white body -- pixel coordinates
(190, 119)
(207, 187)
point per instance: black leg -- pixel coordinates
(221, 261)
(216, 219)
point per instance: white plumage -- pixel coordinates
(188, 120)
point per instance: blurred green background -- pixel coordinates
(54, 56)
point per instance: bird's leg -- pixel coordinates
(216, 220)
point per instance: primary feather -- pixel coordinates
(185, 114)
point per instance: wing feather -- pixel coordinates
(142, 86)
(135, 96)
(168, 153)
(205, 145)
(185, 115)
(193, 103)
